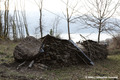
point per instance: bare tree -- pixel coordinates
(0, 21)
(14, 30)
(17, 23)
(69, 16)
(6, 15)
(55, 25)
(39, 3)
(99, 13)
(13, 22)
(23, 13)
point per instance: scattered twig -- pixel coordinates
(43, 67)
(18, 67)
(31, 64)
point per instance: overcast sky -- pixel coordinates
(50, 8)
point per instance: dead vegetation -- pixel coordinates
(94, 50)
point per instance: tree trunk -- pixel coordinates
(99, 36)
(7, 24)
(40, 5)
(24, 18)
(99, 31)
(0, 22)
(25, 23)
(26, 28)
(68, 22)
(7, 16)
(68, 29)
(14, 30)
(41, 31)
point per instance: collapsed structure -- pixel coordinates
(52, 51)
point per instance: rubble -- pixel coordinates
(50, 51)
(60, 52)
(94, 50)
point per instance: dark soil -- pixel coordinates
(94, 50)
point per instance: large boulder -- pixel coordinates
(27, 49)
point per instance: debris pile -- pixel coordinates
(94, 50)
(60, 52)
(49, 51)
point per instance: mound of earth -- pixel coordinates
(94, 50)
(50, 51)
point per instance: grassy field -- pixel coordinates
(109, 67)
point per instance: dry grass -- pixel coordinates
(108, 67)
